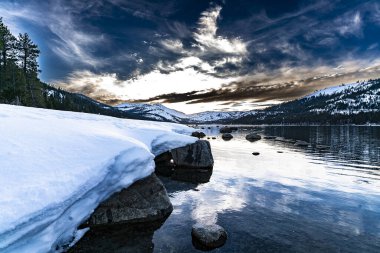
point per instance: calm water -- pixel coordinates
(301, 200)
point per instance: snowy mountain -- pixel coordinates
(357, 102)
(58, 169)
(337, 89)
(157, 112)
(160, 112)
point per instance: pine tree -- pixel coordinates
(7, 44)
(28, 54)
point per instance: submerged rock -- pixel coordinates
(322, 147)
(144, 201)
(252, 137)
(301, 144)
(207, 237)
(281, 139)
(269, 137)
(225, 130)
(227, 136)
(191, 163)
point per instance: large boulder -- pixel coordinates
(197, 134)
(227, 136)
(252, 137)
(144, 201)
(225, 130)
(191, 163)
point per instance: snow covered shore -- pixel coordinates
(56, 167)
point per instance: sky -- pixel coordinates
(199, 55)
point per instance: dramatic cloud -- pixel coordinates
(209, 41)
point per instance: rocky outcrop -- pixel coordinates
(192, 163)
(144, 201)
(207, 237)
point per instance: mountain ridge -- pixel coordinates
(359, 100)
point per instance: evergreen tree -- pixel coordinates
(28, 54)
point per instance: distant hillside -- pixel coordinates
(355, 103)
(160, 112)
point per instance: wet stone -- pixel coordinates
(207, 237)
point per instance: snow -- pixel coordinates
(161, 112)
(337, 89)
(56, 167)
(154, 111)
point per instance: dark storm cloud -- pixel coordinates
(257, 42)
(262, 90)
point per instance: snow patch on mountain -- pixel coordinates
(163, 113)
(337, 89)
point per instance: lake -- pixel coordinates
(286, 199)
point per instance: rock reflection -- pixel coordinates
(137, 239)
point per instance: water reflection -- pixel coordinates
(287, 199)
(301, 200)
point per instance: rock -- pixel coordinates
(192, 163)
(269, 137)
(197, 155)
(299, 143)
(225, 130)
(234, 128)
(164, 164)
(253, 137)
(144, 201)
(214, 138)
(227, 136)
(255, 153)
(208, 127)
(207, 237)
(198, 134)
(322, 147)
(280, 152)
(208, 138)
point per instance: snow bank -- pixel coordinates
(56, 167)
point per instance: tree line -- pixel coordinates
(18, 67)
(20, 85)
